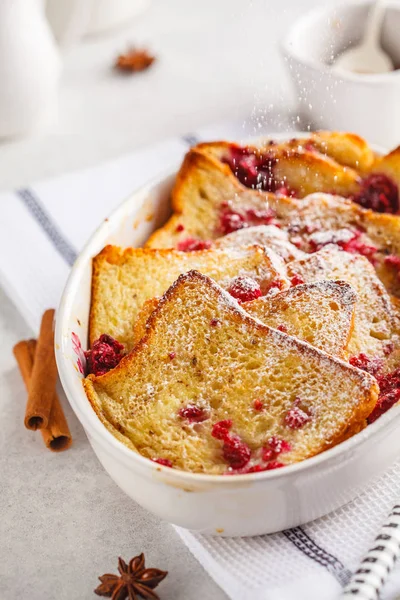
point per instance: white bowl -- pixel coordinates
(238, 505)
(365, 104)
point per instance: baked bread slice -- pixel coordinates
(326, 162)
(211, 390)
(269, 236)
(293, 168)
(209, 202)
(202, 200)
(347, 149)
(320, 313)
(124, 279)
(374, 322)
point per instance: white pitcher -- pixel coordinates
(29, 68)
(72, 19)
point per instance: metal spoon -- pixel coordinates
(368, 56)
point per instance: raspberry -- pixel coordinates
(267, 454)
(384, 403)
(393, 260)
(260, 217)
(389, 381)
(296, 280)
(378, 192)
(193, 413)
(276, 283)
(235, 452)
(221, 429)
(389, 387)
(274, 465)
(348, 240)
(104, 355)
(365, 363)
(388, 349)
(163, 461)
(296, 418)
(278, 445)
(244, 289)
(275, 447)
(258, 405)
(190, 244)
(260, 468)
(283, 190)
(231, 221)
(254, 469)
(354, 246)
(253, 169)
(215, 323)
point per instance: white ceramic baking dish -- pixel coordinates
(238, 505)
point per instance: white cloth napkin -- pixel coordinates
(42, 228)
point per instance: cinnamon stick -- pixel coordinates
(57, 435)
(44, 377)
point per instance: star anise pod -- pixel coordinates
(135, 60)
(135, 581)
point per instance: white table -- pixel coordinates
(63, 521)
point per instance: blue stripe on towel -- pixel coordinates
(38, 212)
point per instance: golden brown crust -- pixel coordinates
(139, 327)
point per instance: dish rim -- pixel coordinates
(92, 423)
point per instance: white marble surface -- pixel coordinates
(63, 521)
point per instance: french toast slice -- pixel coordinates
(202, 196)
(269, 236)
(374, 322)
(296, 169)
(123, 280)
(320, 313)
(209, 202)
(228, 397)
(347, 149)
(299, 167)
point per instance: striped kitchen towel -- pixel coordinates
(42, 228)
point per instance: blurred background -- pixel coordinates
(217, 60)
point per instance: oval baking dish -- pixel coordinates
(238, 505)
